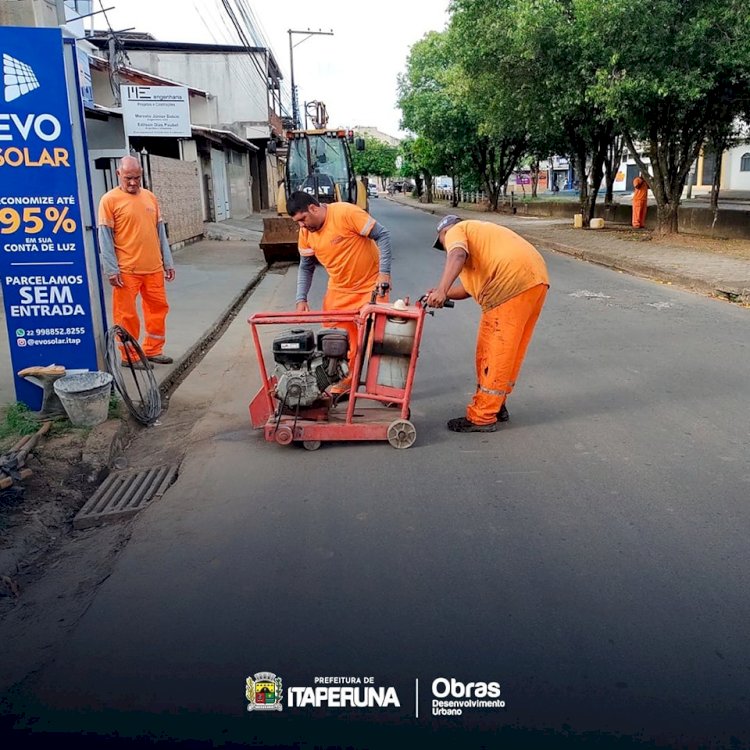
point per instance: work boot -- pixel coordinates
(502, 415)
(461, 424)
(134, 364)
(161, 359)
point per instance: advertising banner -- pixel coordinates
(42, 254)
(156, 111)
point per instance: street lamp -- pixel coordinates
(308, 33)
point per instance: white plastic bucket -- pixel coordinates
(85, 397)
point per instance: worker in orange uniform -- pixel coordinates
(136, 258)
(353, 248)
(508, 278)
(640, 202)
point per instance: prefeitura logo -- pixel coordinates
(264, 692)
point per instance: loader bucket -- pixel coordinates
(279, 240)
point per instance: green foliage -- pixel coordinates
(538, 77)
(448, 114)
(672, 82)
(415, 158)
(114, 410)
(17, 421)
(378, 158)
(433, 106)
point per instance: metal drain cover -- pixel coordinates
(123, 494)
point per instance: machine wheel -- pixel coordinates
(401, 433)
(284, 436)
(311, 445)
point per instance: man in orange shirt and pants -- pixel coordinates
(136, 258)
(353, 248)
(640, 202)
(508, 278)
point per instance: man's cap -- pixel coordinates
(445, 222)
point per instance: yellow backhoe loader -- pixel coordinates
(318, 162)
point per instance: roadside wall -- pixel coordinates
(175, 183)
(730, 224)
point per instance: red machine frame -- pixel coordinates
(313, 425)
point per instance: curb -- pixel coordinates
(182, 367)
(643, 270)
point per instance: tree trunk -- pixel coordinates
(534, 177)
(595, 184)
(611, 167)
(418, 184)
(667, 179)
(454, 197)
(666, 216)
(428, 186)
(494, 197)
(583, 186)
(716, 183)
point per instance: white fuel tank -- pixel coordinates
(398, 342)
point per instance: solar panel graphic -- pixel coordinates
(18, 77)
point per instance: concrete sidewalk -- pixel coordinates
(716, 273)
(213, 276)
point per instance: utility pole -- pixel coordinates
(308, 34)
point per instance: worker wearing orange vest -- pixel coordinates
(136, 258)
(355, 251)
(508, 278)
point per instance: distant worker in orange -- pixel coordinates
(640, 202)
(508, 278)
(136, 258)
(354, 249)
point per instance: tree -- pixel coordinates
(378, 159)
(670, 80)
(432, 107)
(532, 72)
(493, 93)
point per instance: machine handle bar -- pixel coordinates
(423, 301)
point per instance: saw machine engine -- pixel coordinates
(308, 364)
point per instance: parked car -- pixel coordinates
(372, 190)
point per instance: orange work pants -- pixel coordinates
(155, 308)
(504, 335)
(639, 212)
(335, 299)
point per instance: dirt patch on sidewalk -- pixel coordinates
(67, 467)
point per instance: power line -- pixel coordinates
(248, 71)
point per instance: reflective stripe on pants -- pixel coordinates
(503, 337)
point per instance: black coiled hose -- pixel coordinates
(148, 408)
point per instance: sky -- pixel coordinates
(354, 72)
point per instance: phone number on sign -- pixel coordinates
(57, 332)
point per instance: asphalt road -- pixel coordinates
(590, 557)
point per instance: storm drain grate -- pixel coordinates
(123, 494)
